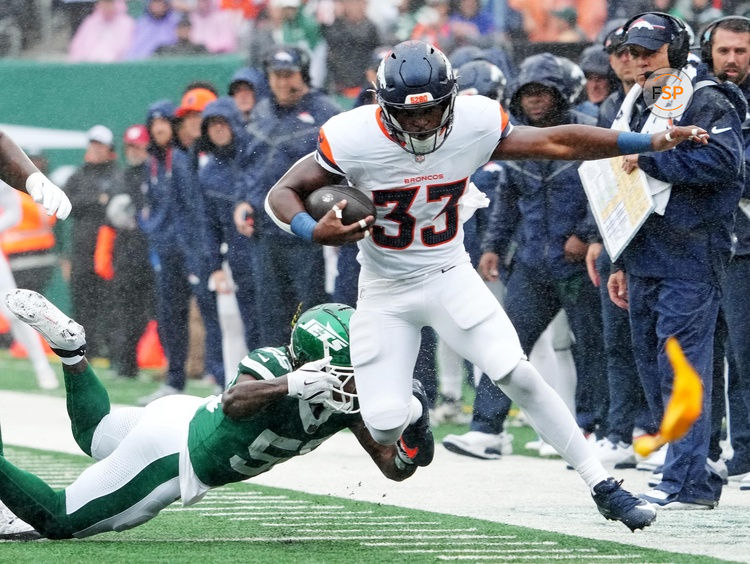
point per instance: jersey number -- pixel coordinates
(260, 460)
(403, 198)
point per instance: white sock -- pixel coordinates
(592, 472)
(415, 410)
(71, 360)
(550, 417)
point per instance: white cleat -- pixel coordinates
(65, 336)
(12, 528)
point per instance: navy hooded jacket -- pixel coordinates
(542, 202)
(692, 240)
(220, 171)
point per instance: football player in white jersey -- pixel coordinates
(413, 153)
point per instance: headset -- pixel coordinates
(707, 36)
(679, 43)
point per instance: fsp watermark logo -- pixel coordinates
(668, 92)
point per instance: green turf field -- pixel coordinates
(251, 523)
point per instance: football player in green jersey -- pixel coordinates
(284, 402)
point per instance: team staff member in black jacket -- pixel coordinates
(90, 189)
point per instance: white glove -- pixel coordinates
(43, 191)
(309, 383)
(121, 212)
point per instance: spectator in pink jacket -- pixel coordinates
(214, 28)
(105, 35)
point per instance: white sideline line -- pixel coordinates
(467, 543)
(340, 530)
(209, 507)
(233, 494)
(238, 510)
(334, 516)
(260, 515)
(288, 539)
(363, 524)
(544, 557)
(243, 499)
(498, 550)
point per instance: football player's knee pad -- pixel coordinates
(385, 436)
(112, 429)
(521, 382)
(386, 425)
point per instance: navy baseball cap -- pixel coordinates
(650, 31)
(284, 58)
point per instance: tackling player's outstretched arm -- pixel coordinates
(286, 199)
(308, 383)
(16, 169)
(383, 455)
(586, 142)
(249, 396)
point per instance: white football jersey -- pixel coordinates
(417, 229)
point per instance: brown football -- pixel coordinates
(358, 205)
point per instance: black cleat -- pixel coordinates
(618, 504)
(416, 441)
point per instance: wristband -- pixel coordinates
(302, 225)
(629, 143)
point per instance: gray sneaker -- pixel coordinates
(487, 446)
(162, 391)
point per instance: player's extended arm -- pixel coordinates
(586, 142)
(383, 455)
(16, 169)
(308, 383)
(286, 200)
(250, 396)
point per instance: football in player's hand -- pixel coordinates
(358, 204)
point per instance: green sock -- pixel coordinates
(88, 403)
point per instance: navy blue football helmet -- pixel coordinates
(483, 78)
(415, 76)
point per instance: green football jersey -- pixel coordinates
(224, 450)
